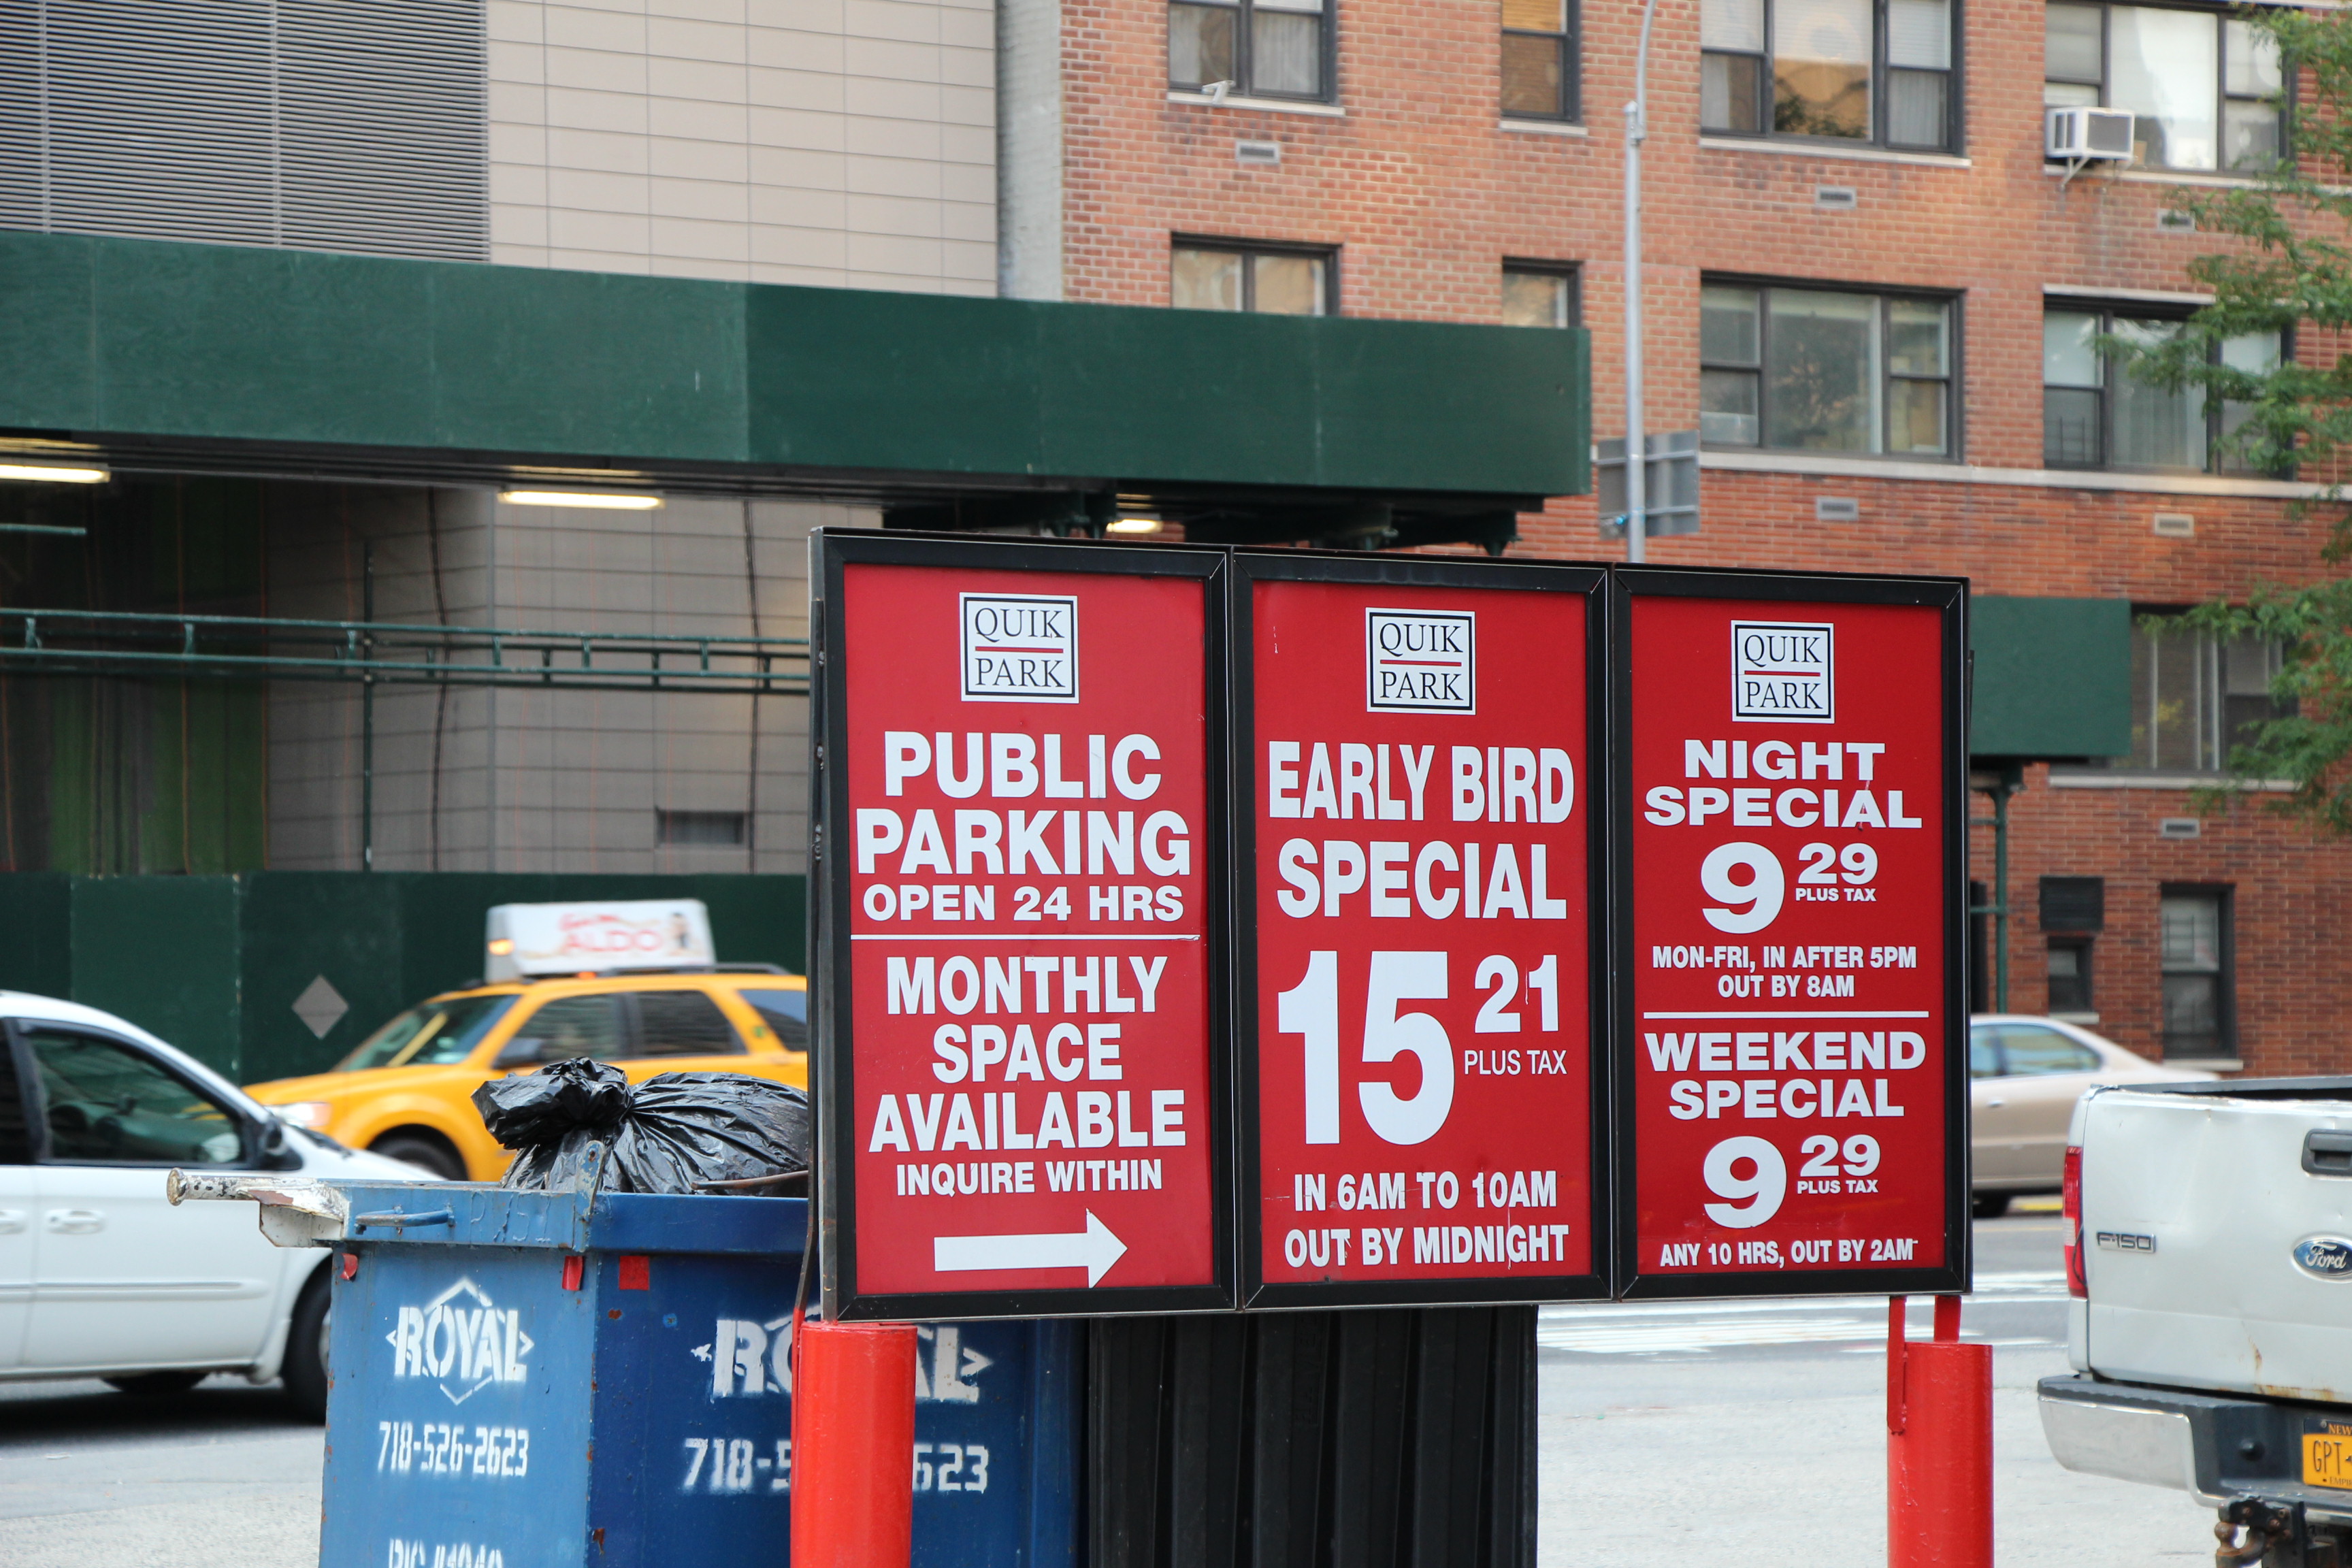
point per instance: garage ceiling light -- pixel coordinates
(1135, 525)
(610, 500)
(55, 473)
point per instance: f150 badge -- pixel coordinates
(2325, 1256)
(2127, 1241)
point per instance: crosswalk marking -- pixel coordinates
(1658, 1339)
(1684, 1327)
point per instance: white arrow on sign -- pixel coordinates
(1094, 1249)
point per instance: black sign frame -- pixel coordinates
(1359, 568)
(1949, 597)
(832, 1020)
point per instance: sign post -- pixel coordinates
(1019, 1067)
(1790, 1035)
(1412, 871)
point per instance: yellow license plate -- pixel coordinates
(2327, 1460)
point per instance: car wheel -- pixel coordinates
(1989, 1206)
(425, 1153)
(157, 1385)
(305, 1371)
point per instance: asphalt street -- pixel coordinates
(1750, 1431)
(223, 1477)
(1755, 1432)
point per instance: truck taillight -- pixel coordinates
(2076, 1283)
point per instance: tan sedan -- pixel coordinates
(2025, 1074)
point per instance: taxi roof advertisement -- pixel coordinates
(1200, 929)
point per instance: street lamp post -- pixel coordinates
(1637, 126)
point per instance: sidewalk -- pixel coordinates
(1780, 1462)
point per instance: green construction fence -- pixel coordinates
(218, 964)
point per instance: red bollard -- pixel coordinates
(1938, 1445)
(852, 1445)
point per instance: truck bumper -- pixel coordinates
(2215, 1447)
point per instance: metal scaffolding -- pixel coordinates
(374, 653)
(251, 647)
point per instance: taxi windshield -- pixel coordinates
(785, 1011)
(431, 1034)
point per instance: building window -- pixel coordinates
(1274, 280)
(2205, 89)
(2073, 909)
(1817, 370)
(707, 830)
(1539, 294)
(1539, 59)
(1854, 70)
(2197, 972)
(2196, 696)
(2070, 978)
(2096, 414)
(1266, 49)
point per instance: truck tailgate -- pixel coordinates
(2196, 1210)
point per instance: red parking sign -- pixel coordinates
(1792, 1088)
(1019, 1074)
(1416, 1066)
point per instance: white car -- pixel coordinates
(99, 1276)
(2025, 1074)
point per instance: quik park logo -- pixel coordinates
(1783, 671)
(1020, 647)
(1421, 661)
(461, 1340)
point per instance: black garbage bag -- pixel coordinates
(528, 1109)
(674, 1132)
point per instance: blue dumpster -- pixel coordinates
(528, 1379)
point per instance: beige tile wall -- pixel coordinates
(844, 144)
(469, 779)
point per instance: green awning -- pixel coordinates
(163, 342)
(2052, 679)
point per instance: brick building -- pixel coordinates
(1867, 287)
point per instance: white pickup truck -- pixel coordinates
(2211, 1258)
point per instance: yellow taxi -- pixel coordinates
(407, 1090)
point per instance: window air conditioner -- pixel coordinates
(2081, 134)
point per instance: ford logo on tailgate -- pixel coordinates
(2325, 1256)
